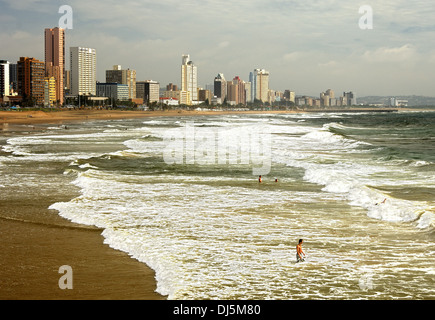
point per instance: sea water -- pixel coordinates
(210, 230)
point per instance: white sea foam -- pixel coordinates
(352, 178)
(176, 232)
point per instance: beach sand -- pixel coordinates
(31, 255)
(10, 119)
(36, 242)
(62, 117)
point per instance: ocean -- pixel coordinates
(182, 195)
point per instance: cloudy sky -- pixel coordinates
(308, 46)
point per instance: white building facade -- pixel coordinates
(83, 64)
(4, 78)
(189, 78)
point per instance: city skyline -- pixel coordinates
(306, 48)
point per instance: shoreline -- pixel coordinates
(100, 271)
(36, 240)
(15, 120)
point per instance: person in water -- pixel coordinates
(299, 251)
(381, 202)
(259, 179)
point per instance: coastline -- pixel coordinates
(36, 241)
(102, 272)
(15, 120)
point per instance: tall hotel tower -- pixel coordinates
(259, 85)
(83, 71)
(55, 59)
(189, 78)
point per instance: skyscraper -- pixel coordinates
(259, 85)
(220, 87)
(128, 77)
(189, 78)
(349, 98)
(13, 78)
(49, 91)
(83, 71)
(55, 59)
(252, 91)
(31, 79)
(236, 91)
(4, 78)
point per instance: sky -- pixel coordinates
(308, 46)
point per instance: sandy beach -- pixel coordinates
(30, 120)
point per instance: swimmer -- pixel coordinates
(381, 202)
(299, 251)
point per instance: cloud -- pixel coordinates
(297, 41)
(224, 44)
(329, 64)
(293, 56)
(20, 35)
(406, 53)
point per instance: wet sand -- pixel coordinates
(31, 255)
(36, 242)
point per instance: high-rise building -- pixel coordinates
(349, 98)
(83, 71)
(232, 93)
(55, 59)
(31, 79)
(4, 78)
(13, 78)
(49, 91)
(248, 91)
(252, 91)
(220, 87)
(324, 99)
(148, 90)
(189, 78)
(330, 93)
(259, 85)
(67, 81)
(128, 77)
(289, 96)
(236, 91)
